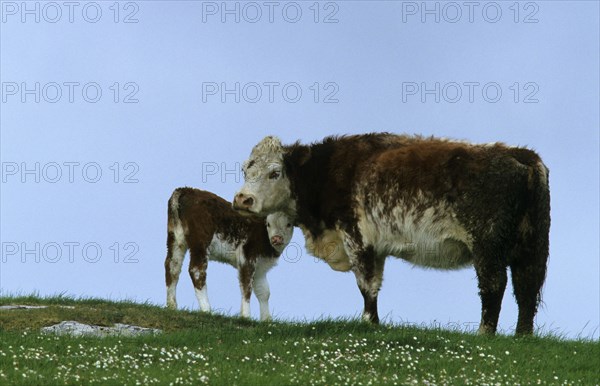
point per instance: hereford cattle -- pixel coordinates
(432, 202)
(208, 226)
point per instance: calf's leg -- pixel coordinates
(262, 292)
(245, 275)
(197, 270)
(176, 250)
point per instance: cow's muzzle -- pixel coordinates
(243, 201)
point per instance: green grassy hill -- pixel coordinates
(199, 348)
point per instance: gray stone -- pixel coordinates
(20, 307)
(24, 307)
(74, 328)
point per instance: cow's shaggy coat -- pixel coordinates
(208, 226)
(433, 202)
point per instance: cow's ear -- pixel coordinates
(299, 154)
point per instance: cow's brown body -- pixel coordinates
(435, 203)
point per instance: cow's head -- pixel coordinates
(280, 230)
(266, 188)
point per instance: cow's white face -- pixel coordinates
(266, 188)
(280, 230)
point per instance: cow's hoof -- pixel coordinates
(486, 330)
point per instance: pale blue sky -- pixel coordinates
(369, 61)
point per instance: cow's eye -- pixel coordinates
(268, 225)
(289, 225)
(274, 174)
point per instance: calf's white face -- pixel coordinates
(266, 188)
(280, 230)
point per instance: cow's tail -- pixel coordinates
(528, 267)
(539, 213)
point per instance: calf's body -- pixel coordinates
(207, 226)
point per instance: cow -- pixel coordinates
(433, 202)
(207, 225)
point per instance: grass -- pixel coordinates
(199, 348)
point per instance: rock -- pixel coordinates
(20, 307)
(80, 329)
(24, 307)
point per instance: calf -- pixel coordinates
(208, 226)
(433, 202)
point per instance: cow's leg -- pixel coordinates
(528, 272)
(261, 290)
(175, 254)
(491, 275)
(368, 269)
(246, 275)
(197, 269)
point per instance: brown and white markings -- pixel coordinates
(435, 203)
(207, 226)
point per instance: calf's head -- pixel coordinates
(266, 187)
(280, 230)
